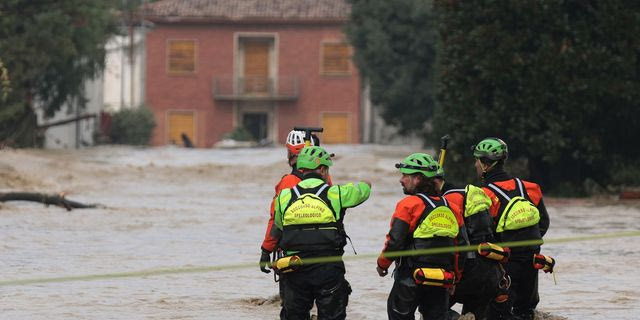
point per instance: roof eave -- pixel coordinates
(251, 20)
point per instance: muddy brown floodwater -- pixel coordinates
(181, 208)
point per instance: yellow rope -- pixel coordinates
(395, 254)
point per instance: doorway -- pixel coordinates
(181, 128)
(256, 60)
(257, 124)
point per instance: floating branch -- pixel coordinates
(48, 199)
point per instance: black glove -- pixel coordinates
(265, 261)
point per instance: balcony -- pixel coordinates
(229, 88)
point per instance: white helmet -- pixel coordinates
(295, 141)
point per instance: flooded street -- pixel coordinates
(181, 208)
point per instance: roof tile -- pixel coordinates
(251, 9)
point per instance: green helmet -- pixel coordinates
(491, 148)
(420, 163)
(312, 157)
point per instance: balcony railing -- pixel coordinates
(255, 88)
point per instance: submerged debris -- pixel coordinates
(273, 300)
(547, 316)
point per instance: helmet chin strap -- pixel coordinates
(289, 158)
(439, 188)
(484, 170)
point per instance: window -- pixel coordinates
(181, 56)
(335, 58)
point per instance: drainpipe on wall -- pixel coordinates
(122, 54)
(132, 61)
(143, 53)
(77, 123)
(367, 117)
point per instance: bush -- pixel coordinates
(239, 134)
(5, 83)
(132, 126)
(624, 172)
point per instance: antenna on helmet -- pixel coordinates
(443, 149)
(307, 133)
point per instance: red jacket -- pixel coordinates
(404, 222)
(457, 199)
(288, 181)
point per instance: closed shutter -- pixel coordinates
(256, 66)
(335, 58)
(336, 128)
(179, 123)
(182, 56)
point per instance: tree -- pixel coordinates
(559, 80)
(394, 45)
(5, 83)
(51, 48)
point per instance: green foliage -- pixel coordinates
(18, 126)
(132, 126)
(625, 172)
(558, 80)
(51, 48)
(394, 45)
(5, 83)
(239, 134)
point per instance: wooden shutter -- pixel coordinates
(335, 58)
(180, 122)
(256, 66)
(336, 128)
(182, 56)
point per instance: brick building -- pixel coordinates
(266, 65)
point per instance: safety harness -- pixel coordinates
(311, 227)
(475, 211)
(436, 227)
(518, 217)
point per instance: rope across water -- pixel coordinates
(395, 254)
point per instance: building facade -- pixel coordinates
(264, 65)
(119, 85)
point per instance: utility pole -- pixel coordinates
(143, 53)
(132, 57)
(122, 54)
